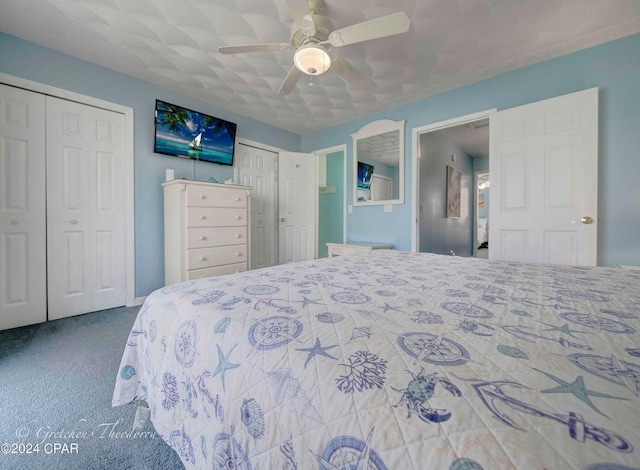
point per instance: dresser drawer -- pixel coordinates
(199, 258)
(216, 236)
(205, 196)
(216, 217)
(216, 271)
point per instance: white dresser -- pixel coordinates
(206, 229)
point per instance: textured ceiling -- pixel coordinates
(173, 43)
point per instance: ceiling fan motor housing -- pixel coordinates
(322, 29)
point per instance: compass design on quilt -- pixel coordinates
(348, 452)
(273, 332)
(185, 343)
(433, 349)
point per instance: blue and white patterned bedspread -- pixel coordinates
(393, 360)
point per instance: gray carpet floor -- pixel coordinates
(56, 385)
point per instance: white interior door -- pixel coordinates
(85, 208)
(258, 168)
(544, 177)
(23, 295)
(297, 206)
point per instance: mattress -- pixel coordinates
(393, 360)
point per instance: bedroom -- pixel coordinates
(612, 67)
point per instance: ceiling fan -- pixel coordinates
(312, 34)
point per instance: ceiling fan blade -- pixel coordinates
(273, 47)
(303, 12)
(352, 75)
(300, 8)
(389, 25)
(289, 82)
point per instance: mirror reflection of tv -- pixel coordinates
(189, 134)
(365, 171)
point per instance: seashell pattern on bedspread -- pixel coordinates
(393, 360)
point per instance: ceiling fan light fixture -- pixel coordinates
(312, 59)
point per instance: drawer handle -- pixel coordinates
(238, 235)
(74, 222)
(203, 258)
(202, 237)
(238, 217)
(238, 199)
(202, 196)
(201, 217)
(238, 254)
(16, 222)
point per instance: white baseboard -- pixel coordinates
(139, 300)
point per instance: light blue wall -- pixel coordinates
(30, 61)
(330, 205)
(481, 164)
(613, 67)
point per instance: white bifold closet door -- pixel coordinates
(85, 208)
(23, 268)
(258, 168)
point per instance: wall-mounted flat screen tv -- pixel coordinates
(365, 171)
(189, 134)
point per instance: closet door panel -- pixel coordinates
(22, 208)
(85, 208)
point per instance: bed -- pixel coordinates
(393, 360)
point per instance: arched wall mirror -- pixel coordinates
(378, 163)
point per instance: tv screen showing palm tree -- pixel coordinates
(365, 171)
(190, 134)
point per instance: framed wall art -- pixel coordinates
(453, 192)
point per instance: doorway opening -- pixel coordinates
(457, 145)
(332, 198)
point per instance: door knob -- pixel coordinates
(586, 220)
(283, 220)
